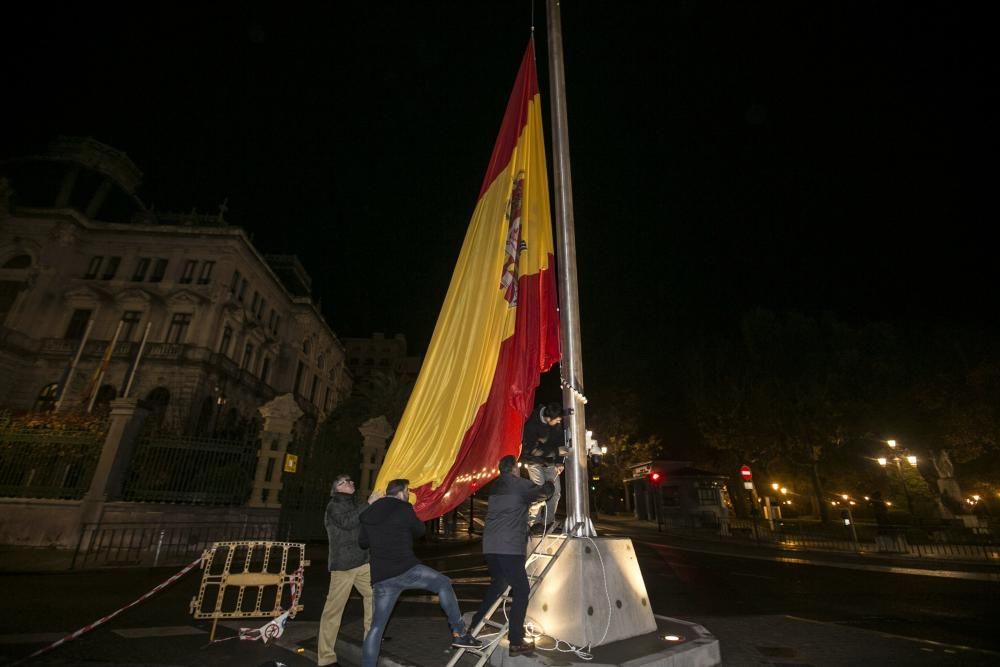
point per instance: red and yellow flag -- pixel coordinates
(498, 329)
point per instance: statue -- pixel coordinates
(947, 485)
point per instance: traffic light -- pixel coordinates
(655, 478)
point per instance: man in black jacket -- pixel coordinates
(388, 528)
(505, 541)
(543, 448)
(348, 564)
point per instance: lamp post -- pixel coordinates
(912, 460)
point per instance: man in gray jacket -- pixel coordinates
(348, 564)
(505, 542)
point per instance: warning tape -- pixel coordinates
(87, 628)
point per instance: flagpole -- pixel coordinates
(138, 358)
(571, 366)
(105, 362)
(72, 367)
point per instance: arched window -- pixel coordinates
(47, 397)
(105, 395)
(18, 262)
(320, 361)
(157, 402)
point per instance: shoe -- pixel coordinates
(524, 648)
(465, 641)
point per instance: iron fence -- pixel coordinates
(151, 545)
(203, 471)
(41, 462)
(937, 542)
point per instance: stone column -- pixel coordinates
(376, 433)
(279, 416)
(125, 422)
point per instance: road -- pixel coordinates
(763, 612)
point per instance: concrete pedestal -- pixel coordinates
(593, 595)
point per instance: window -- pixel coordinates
(235, 282)
(18, 262)
(306, 348)
(188, 274)
(177, 332)
(270, 321)
(312, 389)
(78, 323)
(265, 369)
(130, 324)
(326, 400)
(247, 356)
(47, 398)
(159, 270)
(298, 377)
(206, 273)
(111, 268)
(243, 289)
(140, 270)
(93, 268)
(227, 339)
(320, 361)
(277, 323)
(708, 496)
(254, 301)
(260, 309)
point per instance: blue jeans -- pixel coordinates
(386, 592)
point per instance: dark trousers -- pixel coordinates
(507, 570)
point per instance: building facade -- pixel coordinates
(384, 354)
(83, 263)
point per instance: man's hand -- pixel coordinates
(559, 469)
(375, 496)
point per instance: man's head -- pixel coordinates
(552, 413)
(507, 465)
(342, 483)
(398, 488)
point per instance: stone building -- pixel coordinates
(228, 327)
(380, 353)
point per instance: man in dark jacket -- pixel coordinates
(543, 448)
(348, 564)
(505, 541)
(388, 528)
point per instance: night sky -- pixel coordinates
(795, 156)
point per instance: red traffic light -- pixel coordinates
(655, 478)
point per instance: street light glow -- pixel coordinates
(844, 496)
(882, 461)
(912, 460)
(775, 486)
(891, 443)
(784, 491)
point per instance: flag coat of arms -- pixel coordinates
(498, 329)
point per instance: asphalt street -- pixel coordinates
(763, 612)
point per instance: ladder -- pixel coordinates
(501, 626)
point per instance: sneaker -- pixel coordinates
(465, 641)
(524, 648)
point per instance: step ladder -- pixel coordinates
(535, 558)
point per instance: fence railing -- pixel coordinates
(150, 545)
(204, 471)
(941, 542)
(46, 462)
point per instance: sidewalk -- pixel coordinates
(646, 531)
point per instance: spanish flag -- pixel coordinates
(498, 329)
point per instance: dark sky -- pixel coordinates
(797, 156)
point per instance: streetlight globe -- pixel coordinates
(912, 460)
(882, 461)
(604, 449)
(891, 443)
(844, 496)
(775, 486)
(784, 491)
(975, 497)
